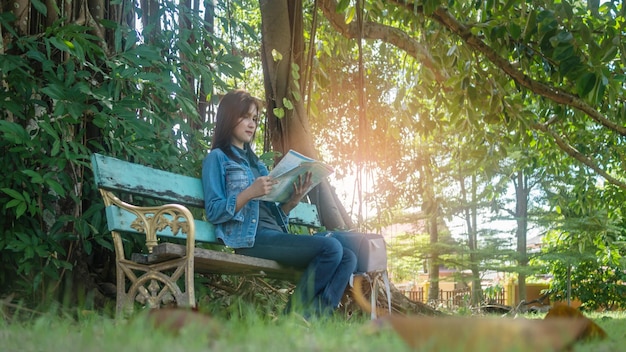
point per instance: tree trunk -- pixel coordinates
(521, 216)
(472, 239)
(433, 272)
(282, 35)
(431, 208)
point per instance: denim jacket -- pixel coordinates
(223, 179)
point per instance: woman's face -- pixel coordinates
(244, 130)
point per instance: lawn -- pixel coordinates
(89, 331)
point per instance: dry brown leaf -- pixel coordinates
(174, 320)
(476, 333)
(591, 331)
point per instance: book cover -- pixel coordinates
(287, 171)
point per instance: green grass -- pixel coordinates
(93, 332)
(253, 333)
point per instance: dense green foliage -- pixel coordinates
(590, 272)
(67, 93)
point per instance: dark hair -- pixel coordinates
(233, 106)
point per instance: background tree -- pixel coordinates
(504, 57)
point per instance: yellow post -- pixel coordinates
(510, 293)
(426, 289)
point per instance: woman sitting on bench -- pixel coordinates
(232, 177)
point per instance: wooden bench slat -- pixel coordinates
(119, 219)
(209, 261)
(153, 258)
(118, 175)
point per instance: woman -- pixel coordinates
(233, 177)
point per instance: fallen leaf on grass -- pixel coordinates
(591, 330)
(485, 334)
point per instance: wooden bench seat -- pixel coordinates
(216, 262)
(159, 207)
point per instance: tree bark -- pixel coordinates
(471, 221)
(521, 217)
(431, 208)
(281, 29)
(20, 9)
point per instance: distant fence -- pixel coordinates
(454, 298)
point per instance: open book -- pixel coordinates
(286, 173)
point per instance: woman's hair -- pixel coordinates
(233, 106)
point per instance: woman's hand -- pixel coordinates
(300, 187)
(299, 190)
(261, 186)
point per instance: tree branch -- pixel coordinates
(557, 95)
(377, 31)
(574, 153)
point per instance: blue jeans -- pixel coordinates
(327, 267)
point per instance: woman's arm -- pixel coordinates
(221, 205)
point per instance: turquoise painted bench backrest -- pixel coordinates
(123, 177)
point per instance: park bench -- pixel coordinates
(177, 243)
(174, 239)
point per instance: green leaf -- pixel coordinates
(56, 187)
(87, 247)
(296, 95)
(531, 26)
(13, 193)
(295, 71)
(56, 147)
(563, 52)
(59, 44)
(279, 112)
(585, 84)
(561, 38)
(40, 7)
(48, 129)
(515, 31)
(430, 6)
(277, 56)
(20, 210)
(13, 132)
(342, 6)
(288, 104)
(351, 14)
(36, 55)
(571, 64)
(35, 177)
(13, 203)
(55, 91)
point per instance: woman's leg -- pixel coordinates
(327, 265)
(336, 287)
